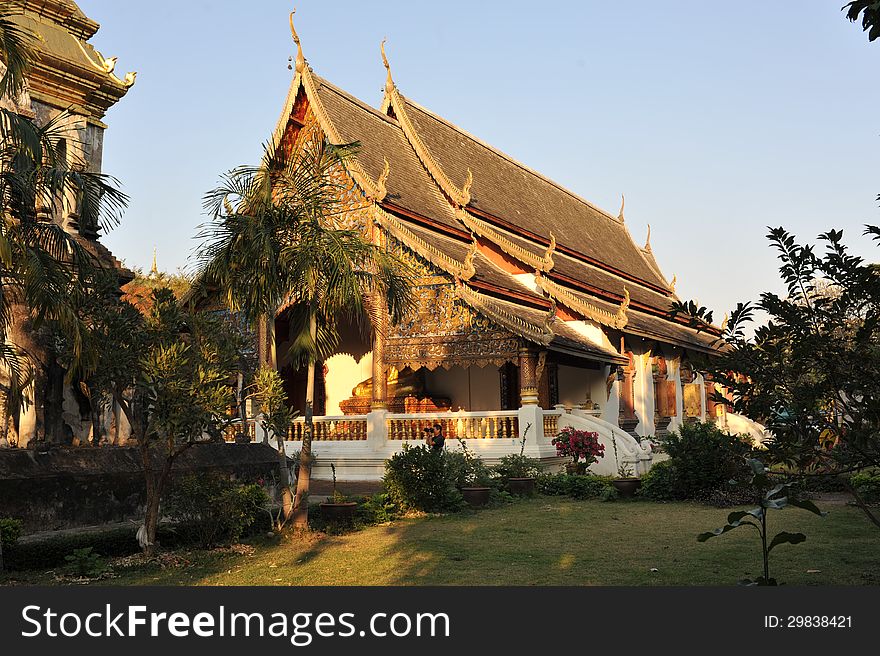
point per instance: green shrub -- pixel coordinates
(467, 470)
(85, 562)
(211, 509)
(377, 509)
(704, 458)
(418, 478)
(516, 466)
(659, 483)
(576, 486)
(867, 485)
(10, 531)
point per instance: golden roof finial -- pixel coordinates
(389, 82)
(622, 203)
(724, 321)
(648, 240)
(154, 271)
(550, 318)
(300, 59)
(672, 284)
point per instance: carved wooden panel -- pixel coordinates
(693, 406)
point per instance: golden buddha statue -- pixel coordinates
(400, 384)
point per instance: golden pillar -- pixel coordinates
(528, 379)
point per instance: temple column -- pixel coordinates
(380, 374)
(528, 379)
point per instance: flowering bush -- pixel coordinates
(581, 446)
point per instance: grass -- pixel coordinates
(543, 541)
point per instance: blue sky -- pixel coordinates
(715, 119)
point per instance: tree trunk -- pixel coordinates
(284, 473)
(301, 503)
(156, 484)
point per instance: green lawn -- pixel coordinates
(541, 541)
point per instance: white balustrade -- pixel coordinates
(456, 425)
(342, 429)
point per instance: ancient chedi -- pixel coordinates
(528, 294)
(73, 83)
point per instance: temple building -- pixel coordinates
(74, 85)
(536, 309)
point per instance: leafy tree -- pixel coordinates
(870, 13)
(42, 267)
(274, 245)
(810, 374)
(171, 372)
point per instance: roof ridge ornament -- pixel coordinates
(389, 81)
(622, 203)
(648, 240)
(469, 270)
(621, 318)
(300, 59)
(466, 190)
(548, 254)
(672, 283)
(383, 178)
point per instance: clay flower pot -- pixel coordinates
(476, 497)
(338, 513)
(626, 487)
(521, 486)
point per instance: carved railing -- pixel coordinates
(456, 425)
(331, 429)
(551, 423)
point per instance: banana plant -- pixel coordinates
(772, 497)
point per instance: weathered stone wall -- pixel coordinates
(71, 487)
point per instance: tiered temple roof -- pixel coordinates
(522, 250)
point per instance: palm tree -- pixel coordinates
(42, 267)
(272, 246)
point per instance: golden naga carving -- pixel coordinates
(571, 300)
(460, 270)
(484, 229)
(383, 178)
(648, 240)
(672, 284)
(548, 254)
(460, 197)
(469, 270)
(542, 363)
(491, 309)
(550, 319)
(621, 318)
(622, 204)
(466, 190)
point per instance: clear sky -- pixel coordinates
(716, 119)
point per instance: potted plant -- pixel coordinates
(338, 509)
(581, 446)
(474, 479)
(626, 482)
(519, 471)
